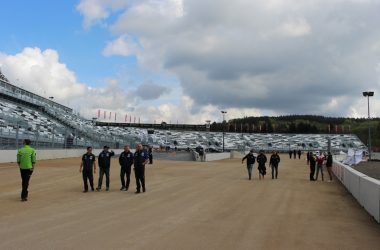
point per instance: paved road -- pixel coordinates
(188, 205)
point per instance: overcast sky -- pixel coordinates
(186, 60)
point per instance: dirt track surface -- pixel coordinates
(188, 205)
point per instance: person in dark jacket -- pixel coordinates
(150, 151)
(329, 163)
(104, 161)
(299, 153)
(273, 162)
(140, 158)
(261, 160)
(86, 167)
(250, 161)
(126, 162)
(290, 153)
(295, 154)
(312, 166)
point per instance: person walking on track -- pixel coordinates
(273, 162)
(126, 162)
(261, 160)
(250, 161)
(26, 160)
(86, 167)
(140, 158)
(104, 160)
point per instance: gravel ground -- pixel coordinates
(188, 205)
(370, 168)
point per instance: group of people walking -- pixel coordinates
(126, 160)
(316, 163)
(26, 159)
(294, 153)
(261, 161)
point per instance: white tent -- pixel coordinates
(353, 157)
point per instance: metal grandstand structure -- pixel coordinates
(49, 124)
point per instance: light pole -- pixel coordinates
(208, 125)
(223, 113)
(369, 94)
(51, 98)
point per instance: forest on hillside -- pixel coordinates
(304, 124)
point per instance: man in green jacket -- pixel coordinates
(26, 158)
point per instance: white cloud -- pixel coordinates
(271, 57)
(123, 46)
(41, 72)
(95, 11)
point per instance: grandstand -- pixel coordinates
(49, 124)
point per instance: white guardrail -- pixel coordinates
(365, 189)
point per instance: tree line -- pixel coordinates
(304, 124)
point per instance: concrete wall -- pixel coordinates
(10, 155)
(365, 189)
(217, 156)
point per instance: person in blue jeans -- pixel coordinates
(273, 162)
(250, 161)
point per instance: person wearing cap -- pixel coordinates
(140, 158)
(250, 161)
(126, 162)
(86, 167)
(104, 160)
(261, 160)
(26, 160)
(273, 162)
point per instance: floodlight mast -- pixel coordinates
(223, 113)
(369, 94)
